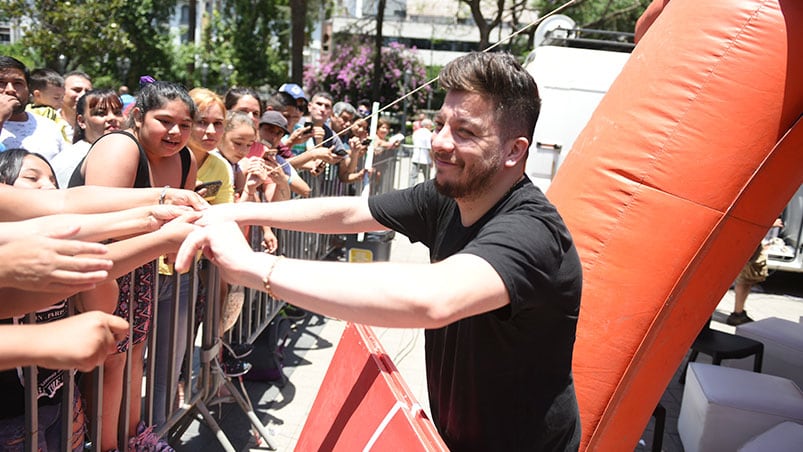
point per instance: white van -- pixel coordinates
(573, 69)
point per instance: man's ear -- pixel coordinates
(517, 151)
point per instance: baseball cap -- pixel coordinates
(293, 90)
(274, 118)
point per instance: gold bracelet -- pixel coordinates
(266, 281)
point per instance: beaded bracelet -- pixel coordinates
(266, 280)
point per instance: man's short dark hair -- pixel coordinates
(280, 100)
(7, 62)
(502, 79)
(41, 78)
(323, 94)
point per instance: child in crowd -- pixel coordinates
(150, 152)
(248, 173)
(47, 93)
(246, 100)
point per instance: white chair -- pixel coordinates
(784, 437)
(722, 408)
(783, 346)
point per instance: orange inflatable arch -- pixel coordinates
(682, 169)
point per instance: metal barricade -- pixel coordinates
(203, 379)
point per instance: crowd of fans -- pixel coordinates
(99, 189)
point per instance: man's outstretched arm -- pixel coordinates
(381, 294)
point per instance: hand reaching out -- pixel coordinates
(269, 240)
(79, 342)
(160, 215)
(52, 263)
(179, 197)
(223, 244)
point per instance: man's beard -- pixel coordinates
(19, 108)
(478, 180)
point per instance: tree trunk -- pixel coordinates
(192, 20)
(298, 13)
(483, 25)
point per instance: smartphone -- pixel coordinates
(308, 127)
(211, 188)
(366, 142)
(341, 152)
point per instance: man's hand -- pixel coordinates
(223, 244)
(328, 155)
(318, 133)
(53, 264)
(79, 342)
(7, 105)
(176, 230)
(298, 136)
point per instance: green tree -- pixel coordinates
(72, 29)
(257, 33)
(612, 15)
(152, 51)
(97, 36)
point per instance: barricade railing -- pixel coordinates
(202, 373)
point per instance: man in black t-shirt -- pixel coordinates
(501, 297)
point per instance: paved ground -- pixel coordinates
(284, 409)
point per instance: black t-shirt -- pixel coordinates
(50, 382)
(501, 380)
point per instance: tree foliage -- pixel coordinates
(95, 36)
(257, 31)
(612, 15)
(152, 51)
(72, 29)
(346, 74)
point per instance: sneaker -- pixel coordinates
(235, 367)
(738, 318)
(236, 350)
(293, 313)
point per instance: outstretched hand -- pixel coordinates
(179, 197)
(223, 244)
(162, 214)
(80, 342)
(52, 263)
